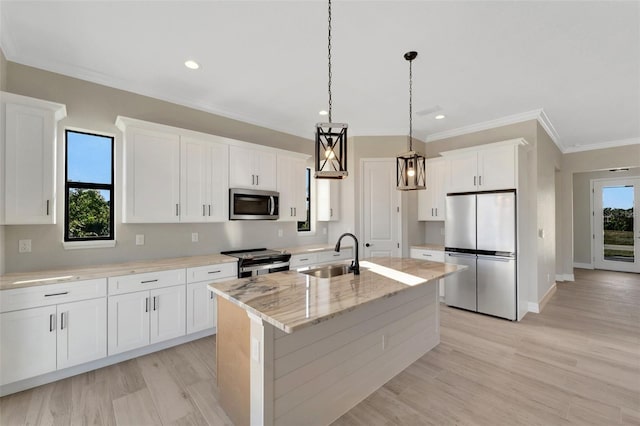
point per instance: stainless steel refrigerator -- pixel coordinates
(480, 233)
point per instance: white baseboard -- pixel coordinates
(536, 308)
(565, 277)
(583, 265)
(99, 363)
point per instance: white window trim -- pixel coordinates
(76, 245)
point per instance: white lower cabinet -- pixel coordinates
(141, 318)
(433, 256)
(201, 307)
(51, 327)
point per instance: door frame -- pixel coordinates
(398, 249)
(593, 183)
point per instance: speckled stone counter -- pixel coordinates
(56, 276)
(292, 300)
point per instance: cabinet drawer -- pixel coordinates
(432, 255)
(300, 260)
(146, 281)
(332, 256)
(31, 297)
(212, 272)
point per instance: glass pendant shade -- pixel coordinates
(410, 171)
(331, 151)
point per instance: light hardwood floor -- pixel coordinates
(578, 362)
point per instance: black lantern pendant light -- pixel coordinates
(331, 139)
(410, 166)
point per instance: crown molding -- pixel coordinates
(603, 145)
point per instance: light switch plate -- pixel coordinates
(140, 239)
(24, 246)
(194, 237)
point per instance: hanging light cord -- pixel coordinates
(410, 106)
(329, 56)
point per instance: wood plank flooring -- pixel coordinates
(576, 363)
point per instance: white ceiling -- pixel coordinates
(576, 65)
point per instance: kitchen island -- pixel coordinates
(294, 349)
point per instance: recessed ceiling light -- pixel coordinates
(439, 116)
(191, 64)
(323, 112)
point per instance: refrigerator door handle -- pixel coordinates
(498, 258)
(460, 255)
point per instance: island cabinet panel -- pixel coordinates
(330, 367)
(232, 361)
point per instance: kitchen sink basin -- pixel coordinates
(328, 271)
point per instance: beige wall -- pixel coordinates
(579, 162)
(94, 107)
(582, 210)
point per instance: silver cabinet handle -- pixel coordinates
(480, 180)
(146, 304)
(62, 321)
(47, 207)
(209, 209)
(474, 181)
(330, 212)
(426, 255)
(258, 180)
(303, 260)
(211, 295)
(295, 211)
(214, 272)
(203, 211)
(431, 211)
(253, 179)
(52, 322)
(177, 209)
(156, 303)
(149, 281)
(57, 294)
(436, 211)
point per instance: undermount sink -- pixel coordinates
(327, 271)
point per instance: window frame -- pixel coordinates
(88, 185)
(308, 199)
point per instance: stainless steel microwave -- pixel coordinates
(252, 204)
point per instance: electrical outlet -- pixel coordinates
(24, 246)
(280, 233)
(194, 237)
(139, 239)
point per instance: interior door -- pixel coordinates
(616, 229)
(380, 208)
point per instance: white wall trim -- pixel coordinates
(533, 307)
(565, 277)
(99, 363)
(582, 265)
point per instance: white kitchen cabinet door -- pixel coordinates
(251, 168)
(82, 332)
(431, 201)
(201, 307)
(29, 164)
(203, 181)
(168, 313)
(497, 168)
(152, 177)
(463, 171)
(292, 176)
(128, 321)
(27, 343)
(328, 199)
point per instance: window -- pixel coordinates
(306, 225)
(89, 187)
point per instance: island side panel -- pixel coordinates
(262, 358)
(232, 361)
(323, 371)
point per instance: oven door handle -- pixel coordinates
(263, 267)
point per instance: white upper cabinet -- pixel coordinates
(152, 176)
(203, 178)
(252, 168)
(292, 177)
(483, 168)
(28, 184)
(431, 201)
(328, 199)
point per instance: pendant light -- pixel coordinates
(410, 166)
(331, 138)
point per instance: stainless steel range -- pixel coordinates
(259, 261)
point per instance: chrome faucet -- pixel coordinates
(355, 265)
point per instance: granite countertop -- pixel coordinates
(436, 247)
(292, 300)
(57, 276)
